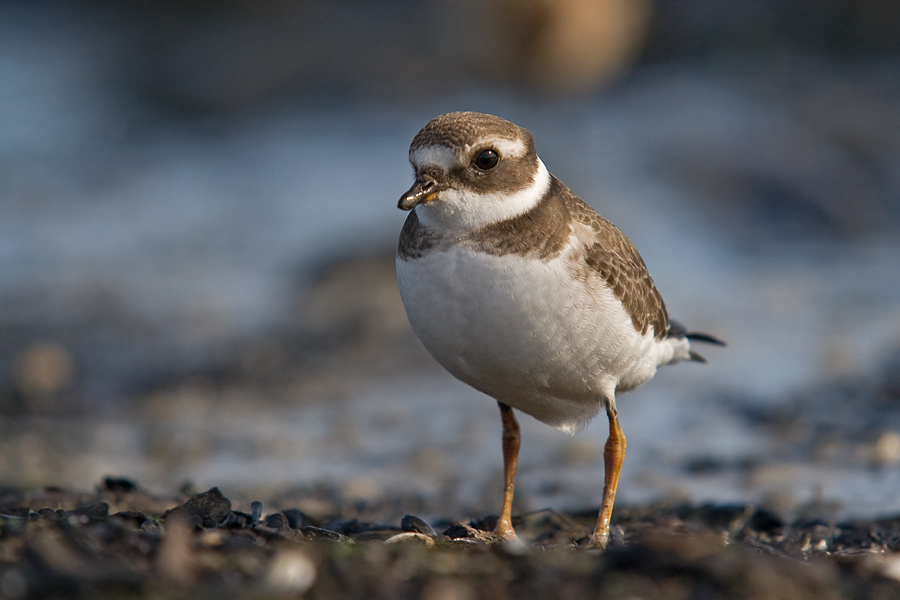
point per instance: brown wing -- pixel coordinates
(616, 259)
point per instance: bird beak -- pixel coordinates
(423, 190)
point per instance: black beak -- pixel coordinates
(423, 190)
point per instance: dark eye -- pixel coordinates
(487, 159)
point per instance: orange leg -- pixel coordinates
(511, 441)
(613, 456)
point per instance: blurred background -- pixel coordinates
(198, 219)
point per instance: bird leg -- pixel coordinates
(613, 455)
(511, 440)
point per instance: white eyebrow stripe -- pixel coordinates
(445, 158)
(507, 147)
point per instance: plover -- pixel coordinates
(521, 290)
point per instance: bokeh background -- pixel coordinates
(198, 219)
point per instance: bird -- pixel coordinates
(521, 290)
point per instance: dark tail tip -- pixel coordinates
(703, 337)
(696, 357)
(677, 330)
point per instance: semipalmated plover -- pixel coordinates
(518, 288)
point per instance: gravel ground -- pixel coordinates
(122, 542)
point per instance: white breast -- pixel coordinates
(526, 332)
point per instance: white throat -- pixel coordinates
(460, 211)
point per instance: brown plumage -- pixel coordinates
(543, 232)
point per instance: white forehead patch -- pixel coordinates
(440, 156)
(446, 158)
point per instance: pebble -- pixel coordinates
(256, 511)
(410, 536)
(290, 572)
(278, 522)
(415, 524)
(44, 552)
(317, 533)
(208, 509)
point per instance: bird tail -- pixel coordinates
(679, 332)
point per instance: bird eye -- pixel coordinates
(487, 159)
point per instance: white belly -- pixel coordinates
(526, 332)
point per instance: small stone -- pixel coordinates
(256, 510)
(119, 484)
(290, 572)
(460, 531)
(278, 522)
(413, 523)
(317, 533)
(131, 517)
(410, 537)
(210, 508)
(151, 528)
(237, 520)
(48, 513)
(297, 518)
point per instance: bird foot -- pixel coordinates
(598, 541)
(506, 531)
